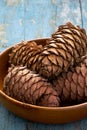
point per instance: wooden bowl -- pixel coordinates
(34, 113)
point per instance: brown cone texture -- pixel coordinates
(26, 53)
(23, 85)
(72, 85)
(65, 48)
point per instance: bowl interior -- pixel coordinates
(4, 58)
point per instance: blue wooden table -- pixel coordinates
(30, 19)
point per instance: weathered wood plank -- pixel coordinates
(8, 121)
(11, 22)
(68, 10)
(39, 18)
(78, 125)
(84, 13)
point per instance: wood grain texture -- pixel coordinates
(84, 13)
(11, 22)
(39, 18)
(67, 10)
(30, 19)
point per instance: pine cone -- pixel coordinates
(26, 53)
(74, 37)
(72, 85)
(65, 48)
(23, 85)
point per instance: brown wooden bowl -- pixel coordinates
(34, 113)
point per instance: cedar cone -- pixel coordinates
(65, 48)
(72, 85)
(26, 86)
(26, 53)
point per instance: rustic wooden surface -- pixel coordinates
(30, 19)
